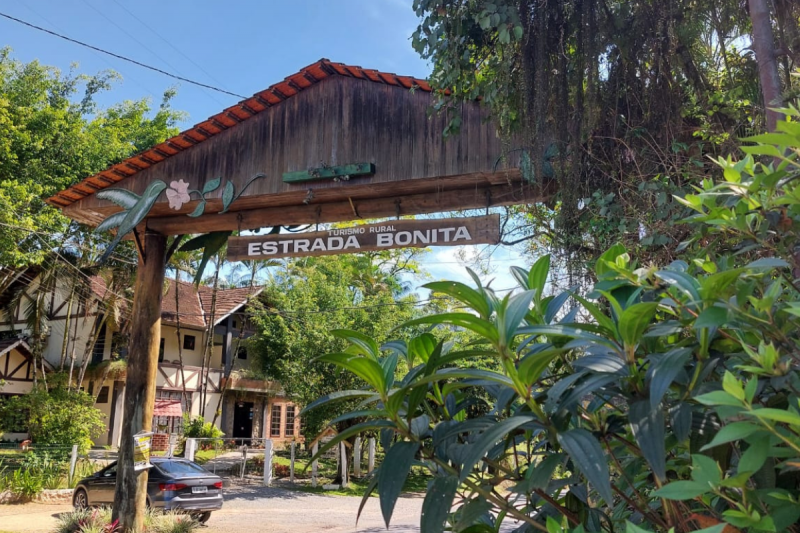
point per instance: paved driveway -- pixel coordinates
(255, 509)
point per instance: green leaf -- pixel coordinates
(537, 277)
(211, 244)
(610, 256)
(437, 504)
(681, 490)
(776, 415)
(393, 473)
(465, 320)
(365, 344)
(367, 493)
(227, 196)
(633, 528)
(463, 293)
(732, 432)
(518, 32)
(111, 221)
(705, 470)
(542, 473)
(768, 263)
(732, 386)
(713, 317)
(336, 396)
(365, 368)
(198, 210)
(212, 185)
(574, 331)
(755, 456)
(421, 347)
(683, 281)
(135, 214)
(515, 310)
(718, 397)
(531, 366)
(647, 425)
(588, 456)
(664, 368)
(634, 321)
(555, 305)
(122, 197)
(488, 439)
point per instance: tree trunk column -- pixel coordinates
(764, 46)
(140, 386)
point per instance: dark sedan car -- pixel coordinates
(173, 483)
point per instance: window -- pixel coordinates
(241, 352)
(103, 396)
(180, 468)
(289, 425)
(99, 347)
(275, 421)
(172, 424)
(188, 342)
(161, 351)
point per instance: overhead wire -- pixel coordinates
(140, 43)
(118, 56)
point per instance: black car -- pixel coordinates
(173, 483)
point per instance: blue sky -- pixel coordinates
(239, 46)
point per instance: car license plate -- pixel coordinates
(199, 490)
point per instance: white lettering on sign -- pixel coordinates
(381, 236)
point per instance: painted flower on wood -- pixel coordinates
(178, 194)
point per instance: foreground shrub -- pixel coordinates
(56, 417)
(99, 521)
(197, 428)
(667, 398)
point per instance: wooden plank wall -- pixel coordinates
(337, 121)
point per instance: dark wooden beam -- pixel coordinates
(140, 386)
(342, 211)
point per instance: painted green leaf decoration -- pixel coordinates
(212, 185)
(227, 196)
(136, 214)
(111, 222)
(123, 198)
(201, 207)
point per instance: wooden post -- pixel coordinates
(371, 455)
(267, 462)
(314, 465)
(291, 464)
(357, 457)
(343, 456)
(73, 461)
(140, 386)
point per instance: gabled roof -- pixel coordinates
(229, 118)
(195, 304)
(6, 345)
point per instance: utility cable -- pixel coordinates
(112, 54)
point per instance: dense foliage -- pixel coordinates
(54, 416)
(52, 134)
(620, 101)
(312, 296)
(665, 399)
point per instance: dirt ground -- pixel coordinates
(255, 509)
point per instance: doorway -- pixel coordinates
(242, 420)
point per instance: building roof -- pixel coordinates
(195, 303)
(6, 345)
(165, 407)
(228, 118)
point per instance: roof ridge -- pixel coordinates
(226, 119)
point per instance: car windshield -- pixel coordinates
(180, 468)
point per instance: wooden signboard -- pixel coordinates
(368, 237)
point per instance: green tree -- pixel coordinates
(53, 134)
(307, 299)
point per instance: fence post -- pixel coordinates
(371, 455)
(343, 455)
(314, 463)
(357, 457)
(267, 463)
(189, 449)
(291, 464)
(73, 461)
(244, 461)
